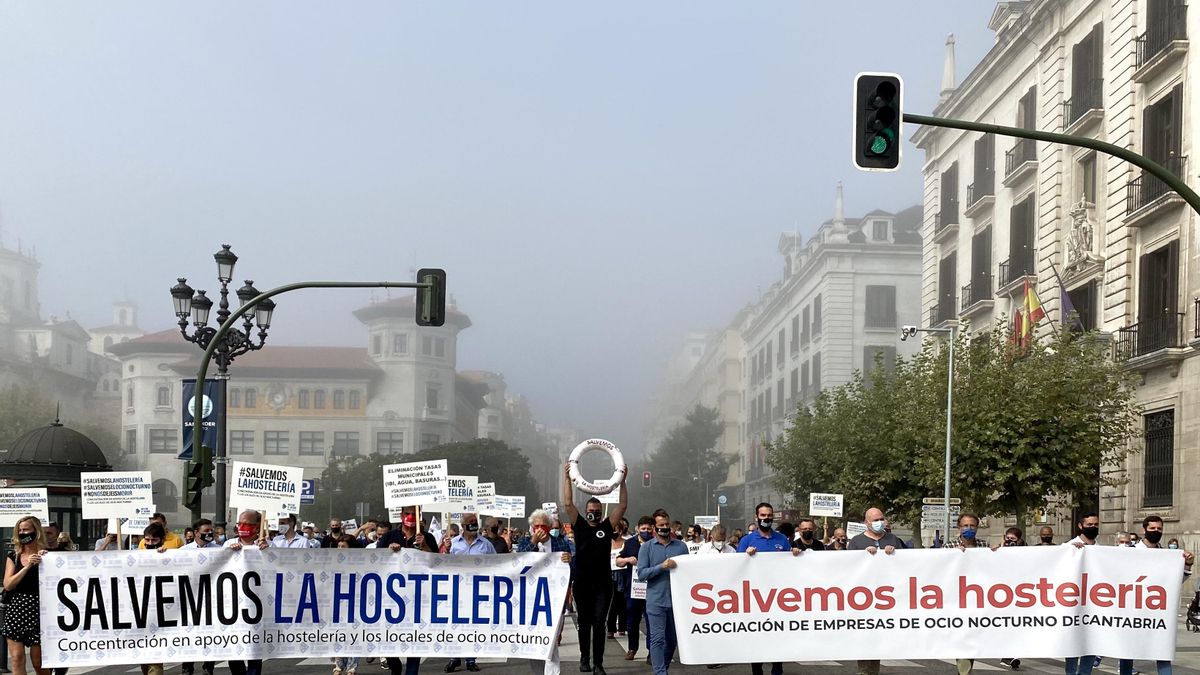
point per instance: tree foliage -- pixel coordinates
(350, 480)
(1029, 425)
(685, 468)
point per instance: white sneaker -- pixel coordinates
(337, 671)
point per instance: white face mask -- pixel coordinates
(284, 528)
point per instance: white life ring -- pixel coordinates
(614, 453)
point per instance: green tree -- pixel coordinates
(1029, 425)
(23, 408)
(350, 480)
(685, 468)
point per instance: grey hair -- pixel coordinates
(540, 514)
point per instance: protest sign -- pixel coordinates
(485, 499)
(415, 483)
(823, 504)
(855, 529)
(265, 487)
(612, 496)
(462, 493)
(508, 506)
(1043, 602)
(707, 522)
(16, 503)
(137, 524)
(550, 508)
(116, 494)
(195, 605)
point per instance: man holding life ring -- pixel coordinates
(593, 582)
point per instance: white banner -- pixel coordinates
(462, 494)
(265, 487)
(16, 503)
(415, 483)
(825, 504)
(116, 494)
(485, 499)
(707, 522)
(1040, 602)
(550, 508)
(106, 608)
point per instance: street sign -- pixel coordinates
(938, 508)
(722, 500)
(954, 501)
(308, 491)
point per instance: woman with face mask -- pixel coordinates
(22, 626)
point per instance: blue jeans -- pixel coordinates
(1125, 667)
(1079, 665)
(661, 638)
(346, 662)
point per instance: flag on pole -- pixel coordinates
(1033, 311)
(1018, 334)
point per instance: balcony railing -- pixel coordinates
(977, 291)
(1015, 268)
(1197, 313)
(984, 186)
(1162, 30)
(1025, 150)
(1151, 335)
(944, 311)
(1146, 188)
(1089, 96)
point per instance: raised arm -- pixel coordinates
(618, 511)
(568, 495)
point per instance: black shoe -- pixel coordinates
(451, 666)
(585, 666)
(600, 670)
(472, 667)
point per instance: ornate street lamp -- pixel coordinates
(232, 344)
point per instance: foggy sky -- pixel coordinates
(597, 178)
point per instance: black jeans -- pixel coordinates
(776, 668)
(250, 667)
(616, 608)
(634, 610)
(592, 602)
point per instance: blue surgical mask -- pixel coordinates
(1172, 546)
(878, 526)
(645, 536)
(554, 532)
(967, 533)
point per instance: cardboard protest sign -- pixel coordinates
(116, 494)
(415, 483)
(462, 493)
(485, 499)
(265, 487)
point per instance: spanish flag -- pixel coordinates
(1033, 312)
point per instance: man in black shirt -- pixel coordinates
(495, 533)
(593, 579)
(808, 540)
(335, 533)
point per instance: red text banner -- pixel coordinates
(1031, 602)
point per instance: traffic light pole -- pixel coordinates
(220, 458)
(1154, 168)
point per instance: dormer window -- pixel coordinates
(881, 230)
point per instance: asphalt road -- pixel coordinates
(1187, 662)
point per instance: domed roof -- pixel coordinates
(52, 451)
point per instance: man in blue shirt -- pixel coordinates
(469, 543)
(764, 538)
(653, 567)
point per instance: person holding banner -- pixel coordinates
(469, 543)
(248, 535)
(654, 566)
(1089, 530)
(871, 541)
(764, 538)
(593, 583)
(22, 620)
(1152, 531)
(171, 540)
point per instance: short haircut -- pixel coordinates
(1151, 519)
(54, 524)
(1015, 530)
(201, 523)
(806, 519)
(1089, 514)
(645, 520)
(382, 522)
(762, 504)
(155, 530)
(966, 515)
(540, 515)
(660, 513)
(595, 501)
(290, 517)
(158, 516)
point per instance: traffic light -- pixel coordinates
(198, 475)
(431, 301)
(877, 121)
(645, 479)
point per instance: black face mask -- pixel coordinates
(592, 516)
(1090, 532)
(1048, 539)
(207, 536)
(1153, 537)
(26, 538)
(335, 530)
(765, 523)
(471, 527)
(806, 535)
(664, 532)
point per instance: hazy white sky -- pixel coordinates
(597, 178)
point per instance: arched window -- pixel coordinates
(129, 397)
(339, 399)
(166, 495)
(303, 398)
(319, 399)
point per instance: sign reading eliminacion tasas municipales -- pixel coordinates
(265, 487)
(415, 484)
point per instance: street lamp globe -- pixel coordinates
(225, 261)
(248, 292)
(201, 305)
(181, 293)
(263, 312)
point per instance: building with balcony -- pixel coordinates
(1079, 224)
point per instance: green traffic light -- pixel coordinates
(879, 145)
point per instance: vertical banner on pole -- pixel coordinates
(210, 406)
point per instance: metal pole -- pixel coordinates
(215, 342)
(949, 409)
(222, 451)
